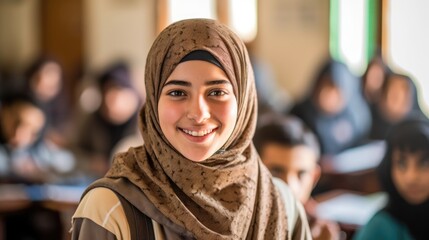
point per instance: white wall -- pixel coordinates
(19, 33)
(294, 39)
(118, 29)
(408, 42)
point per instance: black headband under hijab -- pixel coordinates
(203, 56)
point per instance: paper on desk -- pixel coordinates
(359, 158)
(351, 208)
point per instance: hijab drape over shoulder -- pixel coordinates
(231, 194)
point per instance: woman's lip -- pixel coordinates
(198, 133)
(198, 139)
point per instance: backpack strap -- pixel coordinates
(140, 224)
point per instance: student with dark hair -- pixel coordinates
(290, 151)
(404, 175)
(373, 78)
(398, 101)
(24, 152)
(115, 119)
(335, 109)
(44, 81)
(27, 158)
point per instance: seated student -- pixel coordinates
(398, 101)
(291, 151)
(373, 78)
(404, 175)
(44, 80)
(115, 119)
(335, 109)
(26, 158)
(24, 153)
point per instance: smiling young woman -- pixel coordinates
(197, 176)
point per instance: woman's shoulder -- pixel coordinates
(101, 206)
(383, 226)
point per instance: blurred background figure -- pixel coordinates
(398, 101)
(291, 152)
(271, 97)
(373, 78)
(25, 154)
(44, 81)
(335, 109)
(112, 121)
(404, 175)
(26, 157)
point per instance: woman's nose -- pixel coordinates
(199, 110)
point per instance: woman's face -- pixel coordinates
(329, 97)
(197, 109)
(119, 104)
(374, 81)
(398, 101)
(47, 82)
(410, 174)
(22, 124)
(296, 165)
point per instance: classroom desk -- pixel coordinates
(19, 197)
(353, 169)
(350, 209)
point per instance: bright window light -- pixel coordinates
(185, 9)
(243, 18)
(352, 34)
(407, 43)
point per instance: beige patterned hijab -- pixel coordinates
(231, 194)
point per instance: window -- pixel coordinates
(352, 32)
(407, 42)
(240, 15)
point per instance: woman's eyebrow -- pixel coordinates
(178, 82)
(217, 82)
(188, 84)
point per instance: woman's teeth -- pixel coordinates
(197, 134)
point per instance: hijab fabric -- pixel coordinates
(231, 194)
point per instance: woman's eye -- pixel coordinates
(176, 93)
(217, 93)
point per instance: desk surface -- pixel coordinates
(349, 208)
(357, 159)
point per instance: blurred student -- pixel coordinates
(291, 152)
(335, 109)
(404, 175)
(24, 152)
(373, 79)
(271, 97)
(27, 158)
(115, 119)
(45, 82)
(398, 101)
